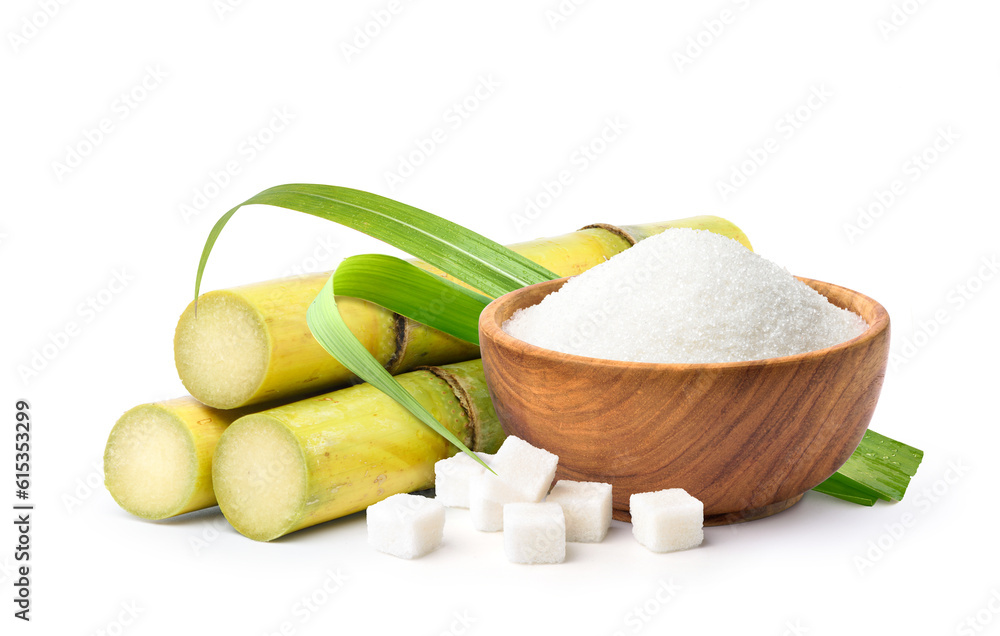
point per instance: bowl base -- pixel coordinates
(729, 517)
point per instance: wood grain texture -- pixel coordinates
(746, 438)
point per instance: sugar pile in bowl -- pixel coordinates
(688, 296)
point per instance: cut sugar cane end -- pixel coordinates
(158, 459)
(222, 350)
(263, 477)
(249, 344)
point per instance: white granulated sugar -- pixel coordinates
(685, 296)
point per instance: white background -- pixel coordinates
(216, 73)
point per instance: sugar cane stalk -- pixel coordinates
(324, 457)
(251, 344)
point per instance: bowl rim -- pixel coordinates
(490, 329)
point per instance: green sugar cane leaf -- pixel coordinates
(329, 329)
(836, 486)
(883, 465)
(406, 289)
(460, 252)
(880, 466)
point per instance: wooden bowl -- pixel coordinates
(746, 438)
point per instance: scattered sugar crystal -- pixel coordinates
(686, 296)
(453, 478)
(534, 533)
(667, 520)
(407, 526)
(528, 470)
(587, 508)
(487, 498)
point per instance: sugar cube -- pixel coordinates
(407, 526)
(587, 508)
(667, 520)
(534, 533)
(453, 478)
(527, 469)
(487, 497)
